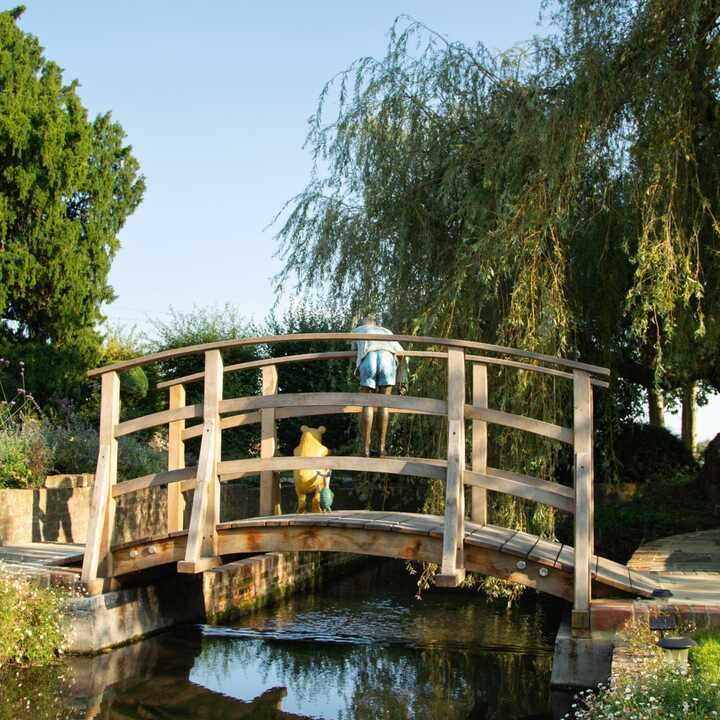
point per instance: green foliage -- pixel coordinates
(30, 622)
(645, 453)
(67, 185)
(319, 376)
(25, 455)
(75, 445)
(207, 325)
(561, 197)
(622, 524)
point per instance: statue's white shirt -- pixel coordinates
(363, 347)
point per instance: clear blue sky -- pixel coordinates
(214, 98)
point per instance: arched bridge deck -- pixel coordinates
(488, 549)
(462, 539)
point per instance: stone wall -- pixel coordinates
(59, 511)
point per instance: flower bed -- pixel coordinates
(30, 621)
(656, 690)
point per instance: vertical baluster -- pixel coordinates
(452, 572)
(583, 441)
(176, 460)
(201, 550)
(269, 480)
(97, 562)
(478, 507)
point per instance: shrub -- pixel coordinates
(75, 449)
(647, 454)
(25, 456)
(30, 622)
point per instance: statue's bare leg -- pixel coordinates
(366, 423)
(384, 414)
(302, 503)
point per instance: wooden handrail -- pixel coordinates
(422, 406)
(287, 359)
(348, 337)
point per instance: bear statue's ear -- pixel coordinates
(304, 428)
(322, 429)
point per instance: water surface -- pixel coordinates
(362, 648)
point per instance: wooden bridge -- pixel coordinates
(459, 541)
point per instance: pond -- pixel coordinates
(361, 648)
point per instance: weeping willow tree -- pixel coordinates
(560, 197)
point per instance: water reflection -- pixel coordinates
(364, 649)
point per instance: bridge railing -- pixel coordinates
(216, 414)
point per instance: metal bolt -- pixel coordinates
(543, 572)
(520, 564)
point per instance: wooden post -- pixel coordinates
(269, 480)
(97, 562)
(176, 460)
(583, 446)
(478, 507)
(201, 549)
(452, 572)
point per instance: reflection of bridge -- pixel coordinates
(454, 542)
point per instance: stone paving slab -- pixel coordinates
(688, 565)
(41, 554)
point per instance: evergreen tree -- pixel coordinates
(67, 186)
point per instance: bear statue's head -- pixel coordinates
(316, 433)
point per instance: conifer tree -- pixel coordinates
(67, 185)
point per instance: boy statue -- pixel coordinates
(377, 363)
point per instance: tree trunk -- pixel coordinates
(656, 407)
(688, 417)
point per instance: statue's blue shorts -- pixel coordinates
(378, 368)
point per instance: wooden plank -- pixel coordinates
(520, 422)
(524, 486)
(169, 478)
(415, 467)
(305, 357)
(452, 571)
(202, 534)
(269, 481)
(426, 406)
(478, 507)
(349, 337)
(176, 461)
(163, 417)
(97, 562)
(583, 433)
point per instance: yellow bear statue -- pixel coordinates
(310, 481)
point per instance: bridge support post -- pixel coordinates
(269, 480)
(176, 460)
(584, 537)
(97, 562)
(201, 550)
(478, 506)
(452, 572)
